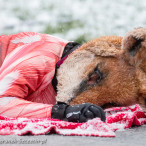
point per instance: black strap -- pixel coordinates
(69, 48)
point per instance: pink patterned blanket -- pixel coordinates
(118, 118)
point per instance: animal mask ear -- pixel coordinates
(131, 43)
(134, 46)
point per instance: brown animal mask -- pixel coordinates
(106, 73)
(134, 46)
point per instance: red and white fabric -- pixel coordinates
(27, 67)
(118, 118)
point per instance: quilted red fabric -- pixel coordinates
(27, 66)
(118, 118)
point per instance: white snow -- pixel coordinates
(95, 17)
(73, 113)
(27, 39)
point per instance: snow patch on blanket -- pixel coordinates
(93, 127)
(27, 39)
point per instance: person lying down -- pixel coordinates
(28, 65)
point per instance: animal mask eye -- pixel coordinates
(95, 77)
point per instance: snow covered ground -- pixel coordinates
(78, 20)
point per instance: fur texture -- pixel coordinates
(120, 61)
